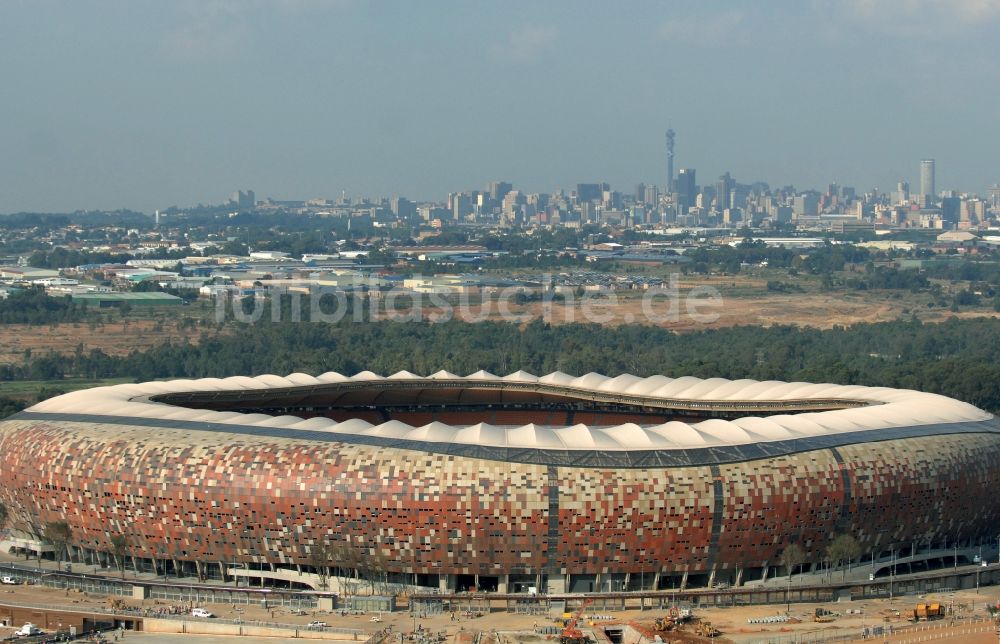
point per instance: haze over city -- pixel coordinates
(143, 105)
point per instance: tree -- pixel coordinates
(791, 557)
(119, 546)
(320, 554)
(59, 534)
(843, 548)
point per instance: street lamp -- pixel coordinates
(892, 569)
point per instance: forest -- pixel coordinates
(958, 358)
(33, 306)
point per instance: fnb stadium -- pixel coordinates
(564, 483)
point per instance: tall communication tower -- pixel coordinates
(670, 161)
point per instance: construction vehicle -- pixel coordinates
(664, 624)
(705, 629)
(570, 633)
(672, 621)
(823, 616)
(928, 612)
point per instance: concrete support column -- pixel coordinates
(684, 581)
(767, 569)
(446, 583)
(502, 582)
(711, 577)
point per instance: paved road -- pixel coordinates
(158, 638)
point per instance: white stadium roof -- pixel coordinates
(882, 409)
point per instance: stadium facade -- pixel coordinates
(557, 482)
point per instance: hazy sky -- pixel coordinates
(145, 104)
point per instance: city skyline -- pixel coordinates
(145, 105)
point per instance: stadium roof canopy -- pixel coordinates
(761, 412)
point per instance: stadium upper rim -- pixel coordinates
(823, 412)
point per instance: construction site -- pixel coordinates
(947, 615)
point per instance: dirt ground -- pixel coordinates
(816, 310)
(513, 628)
(115, 338)
(736, 302)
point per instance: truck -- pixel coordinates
(928, 612)
(27, 630)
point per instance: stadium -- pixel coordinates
(559, 483)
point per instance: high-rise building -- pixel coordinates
(951, 209)
(927, 181)
(723, 190)
(652, 196)
(995, 196)
(686, 188)
(498, 190)
(806, 203)
(244, 200)
(670, 161)
(461, 205)
(402, 207)
(902, 195)
(587, 192)
(640, 192)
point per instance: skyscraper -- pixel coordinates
(652, 196)
(244, 200)
(723, 190)
(670, 161)
(640, 192)
(587, 192)
(686, 189)
(498, 190)
(927, 181)
(902, 192)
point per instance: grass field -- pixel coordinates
(28, 390)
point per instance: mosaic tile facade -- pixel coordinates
(213, 497)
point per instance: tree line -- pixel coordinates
(958, 358)
(33, 306)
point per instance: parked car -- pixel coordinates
(8, 580)
(316, 625)
(201, 612)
